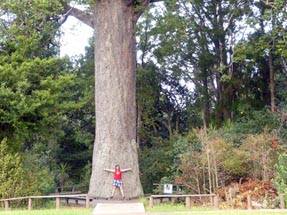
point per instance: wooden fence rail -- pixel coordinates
(215, 200)
(187, 198)
(250, 205)
(56, 197)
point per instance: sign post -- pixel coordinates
(167, 188)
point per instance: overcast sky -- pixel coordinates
(75, 37)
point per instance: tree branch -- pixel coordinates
(143, 5)
(83, 16)
(268, 4)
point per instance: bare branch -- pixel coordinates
(83, 16)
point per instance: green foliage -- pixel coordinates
(34, 95)
(38, 178)
(281, 170)
(47, 103)
(154, 163)
(23, 175)
(11, 172)
(187, 43)
(190, 34)
(182, 147)
(203, 161)
(32, 27)
(236, 163)
(63, 175)
(76, 145)
(260, 154)
(250, 122)
(85, 176)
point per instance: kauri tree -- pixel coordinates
(114, 24)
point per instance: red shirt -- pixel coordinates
(118, 174)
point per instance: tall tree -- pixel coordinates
(201, 43)
(32, 81)
(37, 89)
(261, 55)
(114, 24)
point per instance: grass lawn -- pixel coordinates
(174, 207)
(224, 213)
(162, 209)
(68, 211)
(227, 213)
(190, 212)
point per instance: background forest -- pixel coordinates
(211, 97)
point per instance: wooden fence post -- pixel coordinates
(6, 202)
(58, 201)
(216, 201)
(187, 202)
(282, 201)
(151, 202)
(87, 202)
(249, 204)
(29, 203)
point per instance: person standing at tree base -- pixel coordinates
(118, 182)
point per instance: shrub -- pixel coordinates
(281, 176)
(11, 172)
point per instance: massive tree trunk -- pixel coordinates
(115, 62)
(114, 23)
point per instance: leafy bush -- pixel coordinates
(22, 175)
(183, 145)
(260, 154)
(281, 170)
(206, 161)
(250, 122)
(38, 179)
(236, 163)
(11, 172)
(154, 163)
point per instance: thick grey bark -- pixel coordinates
(115, 64)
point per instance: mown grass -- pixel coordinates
(64, 211)
(166, 207)
(189, 212)
(230, 213)
(182, 210)
(158, 209)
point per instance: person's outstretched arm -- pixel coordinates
(125, 170)
(109, 170)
